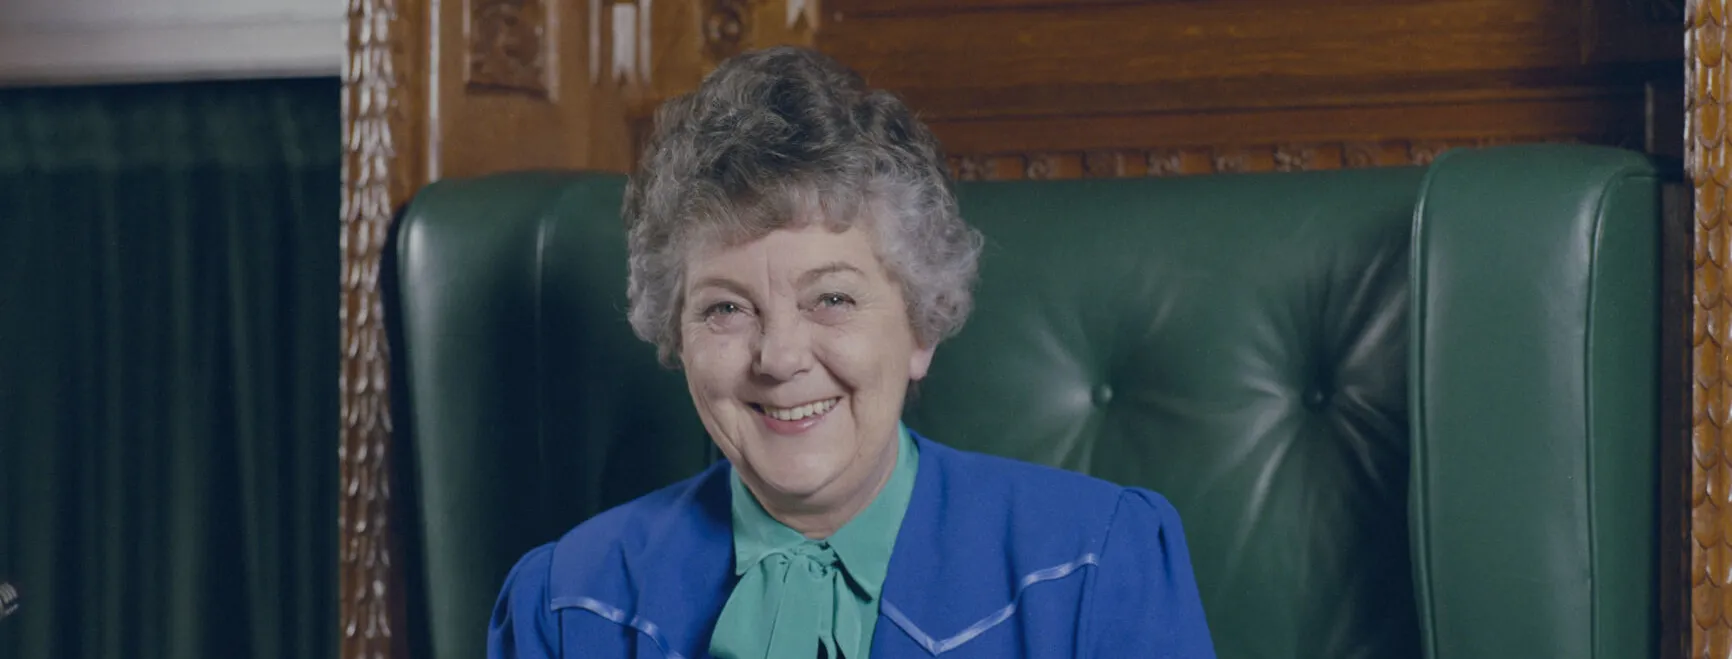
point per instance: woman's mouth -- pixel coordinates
(790, 420)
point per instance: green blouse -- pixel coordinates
(798, 597)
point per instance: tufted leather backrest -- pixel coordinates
(1276, 353)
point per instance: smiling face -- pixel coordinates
(797, 349)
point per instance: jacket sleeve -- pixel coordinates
(523, 626)
(1143, 601)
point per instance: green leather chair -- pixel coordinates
(1403, 412)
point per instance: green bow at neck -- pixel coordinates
(799, 597)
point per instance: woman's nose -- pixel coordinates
(784, 350)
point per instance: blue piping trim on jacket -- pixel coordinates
(937, 647)
(618, 617)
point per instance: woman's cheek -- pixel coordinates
(719, 358)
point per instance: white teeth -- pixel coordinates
(801, 412)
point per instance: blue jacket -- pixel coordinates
(995, 558)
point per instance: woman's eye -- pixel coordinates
(721, 309)
(834, 300)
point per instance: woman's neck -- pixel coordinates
(822, 515)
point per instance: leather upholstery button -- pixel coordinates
(1316, 398)
(1102, 394)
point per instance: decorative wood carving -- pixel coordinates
(798, 10)
(1295, 158)
(631, 46)
(1165, 163)
(1230, 161)
(1422, 153)
(1040, 167)
(1178, 161)
(1103, 164)
(727, 27)
(968, 168)
(508, 46)
(1706, 153)
(981, 59)
(1360, 154)
(382, 104)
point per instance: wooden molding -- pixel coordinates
(1615, 120)
(1706, 153)
(384, 101)
(1224, 159)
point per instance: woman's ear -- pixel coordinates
(919, 361)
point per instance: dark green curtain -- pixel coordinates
(168, 369)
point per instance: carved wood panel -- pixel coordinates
(994, 58)
(1182, 161)
(1615, 120)
(529, 84)
(1017, 89)
(726, 24)
(383, 101)
(1710, 567)
(1043, 89)
(508, 47)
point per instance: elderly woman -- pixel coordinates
(796, 250)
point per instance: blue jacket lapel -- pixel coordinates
(687, 565)
(935, 572)
(668, 575)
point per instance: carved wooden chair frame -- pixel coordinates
(394, 104)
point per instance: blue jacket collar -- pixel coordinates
(662, 564)
(671, 570)
(683, 570)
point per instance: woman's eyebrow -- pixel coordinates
(723, 283)
(831, 268)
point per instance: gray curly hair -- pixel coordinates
(778, 137)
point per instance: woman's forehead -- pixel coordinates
(794, 255)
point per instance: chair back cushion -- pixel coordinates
(1239, 343)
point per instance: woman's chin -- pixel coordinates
(792, 487)
(797, 478)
